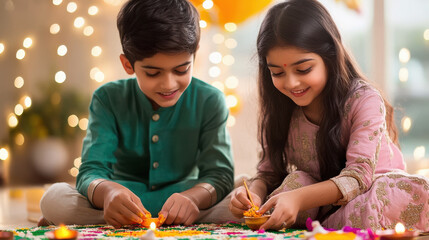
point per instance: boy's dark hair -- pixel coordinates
(147, 27)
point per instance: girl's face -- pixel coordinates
(163, 77)
(298, 74)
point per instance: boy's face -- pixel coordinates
(163, 77)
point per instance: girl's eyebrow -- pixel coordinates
(293, 64)
(153, 67)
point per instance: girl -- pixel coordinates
(330, 149)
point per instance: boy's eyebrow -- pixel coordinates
(293, 64)
(153, 67)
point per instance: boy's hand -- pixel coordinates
(180, 209)
(121, 206)
(286, 207)
(240, 201)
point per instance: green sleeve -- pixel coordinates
(99, 144)
(215, 162)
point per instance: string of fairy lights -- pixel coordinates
(220, 61)
(60, 77)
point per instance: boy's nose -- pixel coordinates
(168, 82)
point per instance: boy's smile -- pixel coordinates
(163, 77)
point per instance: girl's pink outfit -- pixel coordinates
(377, 192)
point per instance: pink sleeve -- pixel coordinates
(366, 125)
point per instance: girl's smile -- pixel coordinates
(299, 93)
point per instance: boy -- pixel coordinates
(155, 143)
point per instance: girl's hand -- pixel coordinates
(286, 207)
(180, 209)
(240, 202)
(121, 206)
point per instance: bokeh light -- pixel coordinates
(96, 51)
(208, 4)
(60, 77)
(73, 120)
(55, 28)
(62, 50)
(79, 22)
(419, 152)
(406, 124)
(230, 27)
(404, 55)
(231, 82)
(20, 54)
(19, 82)
(83, 123)
(19, 139)
(4, 154)
(88, 31)
(93, 10)
(71, 7)
(27, 42)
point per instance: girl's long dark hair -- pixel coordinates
(307, 25)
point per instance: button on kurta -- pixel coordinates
(155, 138)
(155, 165)
(155, 117)
(153, 187)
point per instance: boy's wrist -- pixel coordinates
(203, 195)
(210, 190)
(91, 189)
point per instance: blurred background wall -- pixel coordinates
(55, 53)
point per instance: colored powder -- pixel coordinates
(335, 236)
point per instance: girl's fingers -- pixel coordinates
(268, 205)
(243, 198)
(239, 205)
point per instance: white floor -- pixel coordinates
(13, 209)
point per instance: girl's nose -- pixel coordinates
(290, 82)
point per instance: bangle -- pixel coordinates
(92, 186)
(211, 190)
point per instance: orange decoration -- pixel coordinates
(352, 4)
(252, 212)
(158, 221)
(226, 11)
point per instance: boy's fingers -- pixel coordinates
(133, 212)
(172, 214)
(142, 212)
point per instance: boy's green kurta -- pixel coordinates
(157, 153)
